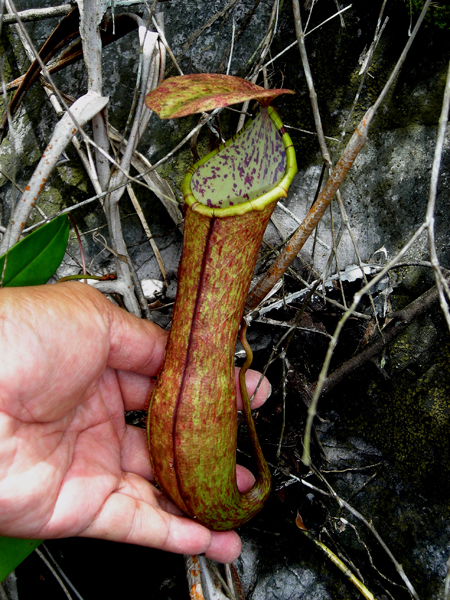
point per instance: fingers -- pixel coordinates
(252, 379)
(135, 460)
(135, 389)
(133, 515)
(66, 334)
(135, 344)
(135, 456)
(138, 346)
(225, 546)
(56, 343)
(244, 477)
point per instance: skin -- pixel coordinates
(71, 364)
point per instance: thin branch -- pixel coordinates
(166, 45)
(37, 14)
(365, 68)
(299, 294)
(323, 374)
(85, 107)
(91, 41)
(339, 563)
(147, 230)
(402, 58)
(313, 217)
(322, 142)
(309, 82)
(149, 79)
(188, 43)
(241, 31)
(233, 31)
(61, 572)
(91, 15)
(157, 185)
(192, 566)
(285, 363)
(360, 517)
(54, 573)
(346, 160)
(306, 458)
(6, 237)
(400, 321)
(265, 47)
(56, 99)
(346, 523)
(440, 282)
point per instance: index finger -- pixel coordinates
(135, 344)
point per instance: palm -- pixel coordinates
(79, 456)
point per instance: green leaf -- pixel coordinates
(189, 94)
(33, 260)
(12, 552)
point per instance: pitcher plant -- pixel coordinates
(229, 196)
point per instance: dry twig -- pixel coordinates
(337, 176)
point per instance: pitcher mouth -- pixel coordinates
(250, 177)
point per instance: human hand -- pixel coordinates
(71, 364)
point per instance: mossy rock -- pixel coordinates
(404, 408)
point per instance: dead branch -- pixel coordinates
(188, 43)
(306, 458)
(313, 217)
(441, 283)
(401, 319)
(334, 182)
(269, 62)
(85, 107)
(37, 14)
(344, 504)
